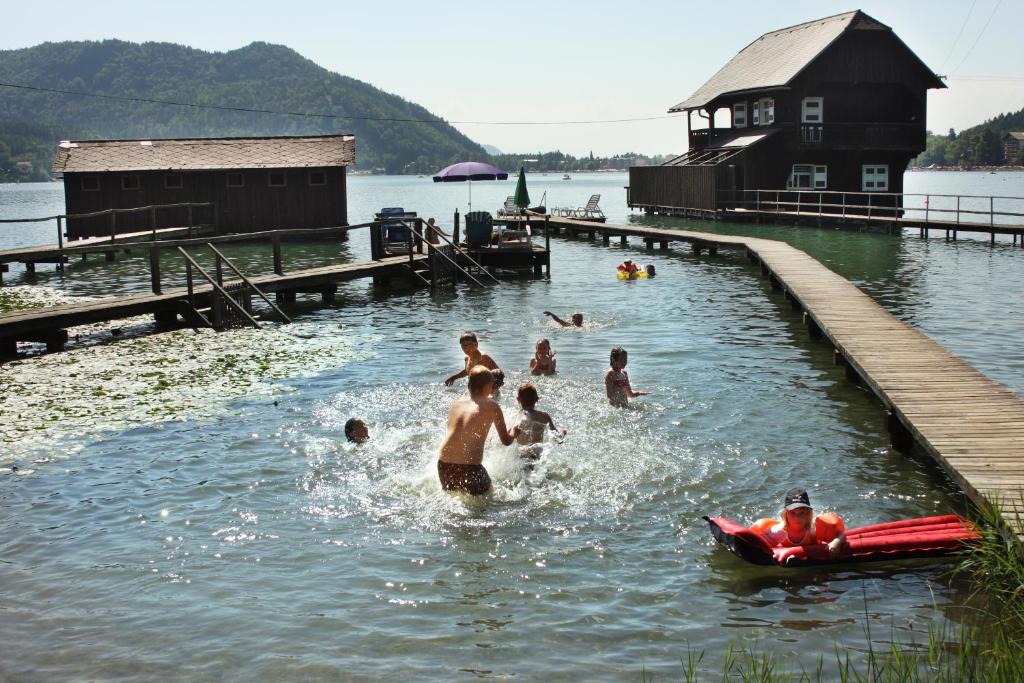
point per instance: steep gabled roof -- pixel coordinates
(775, 59)
(199, 154)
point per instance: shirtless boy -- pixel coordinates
(474, 357)
(469, 421)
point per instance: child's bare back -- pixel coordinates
(459, 464)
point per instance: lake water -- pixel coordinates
(185, 504)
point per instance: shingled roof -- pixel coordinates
(203, 154)
(775, 59)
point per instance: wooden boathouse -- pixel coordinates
(249, 184)
(834, 104)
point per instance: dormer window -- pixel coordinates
(813, 110)
(739, 115)
(767, 111)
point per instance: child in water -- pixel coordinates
(356, 430)
(474, 356)
(543, 361)
(577, 319)
(460, 462)
(799, 526)
(616, 381)
(529, 433)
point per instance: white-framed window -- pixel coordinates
(90, 183)
(820, 177)
(808, 177)
(801, 178)
(317, 178)
(755, 117)
(276, 179)
(767, 111)
(739, 115)
(235, 180)
(812, 110)
(129, 182)
(172, 181)
(874, 178)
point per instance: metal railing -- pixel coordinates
(230, 304)
(974, 211)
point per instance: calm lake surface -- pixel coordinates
(185, 504)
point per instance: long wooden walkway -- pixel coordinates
(50, 324)
(972, 426)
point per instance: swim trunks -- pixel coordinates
(472, 479)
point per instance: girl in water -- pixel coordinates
(616, 381)
(543, 361)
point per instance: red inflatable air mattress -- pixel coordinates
(923, 537)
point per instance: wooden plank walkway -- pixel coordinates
(972, 426)
(922, 224)
(53, 253)
(36, 324)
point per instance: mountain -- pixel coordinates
(258, 76)
(492, 150)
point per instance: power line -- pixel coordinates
(983, 28)
(390, 119)
(958, 35)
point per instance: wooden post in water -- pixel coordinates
(152, 220)
(190, 220)
(154, 268)
(113, 226)
(991, 219)
(455, 227)
(276, 242)
(60, 242)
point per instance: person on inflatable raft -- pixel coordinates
(799, 526)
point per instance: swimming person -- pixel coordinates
(356, 430)
(543, 361)
(471, 347)
(616, 381)
(649, 269)
(577, 319)
(799, 526)
(459, 464)
(627, 267)
(529, 433)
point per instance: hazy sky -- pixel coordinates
(553, 61)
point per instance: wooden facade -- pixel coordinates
(254, 184)
(837, 104)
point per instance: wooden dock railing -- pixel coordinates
(993, 211)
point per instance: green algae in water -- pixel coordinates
(57, 403)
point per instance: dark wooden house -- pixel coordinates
(836, 104)
(252, 183)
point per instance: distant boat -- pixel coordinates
(566, 177)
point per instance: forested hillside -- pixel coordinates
(981, 145)
(258, 76)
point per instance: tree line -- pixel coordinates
(982, 145)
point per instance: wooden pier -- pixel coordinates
(972, 426)
(883, 211)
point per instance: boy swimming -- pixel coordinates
(616, 381)
(459, 464)
(543, 361)
(529, 433)
(577, 319)
(470, 347)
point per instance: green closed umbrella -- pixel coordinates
(521, 197)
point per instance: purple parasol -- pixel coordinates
(469, 170)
